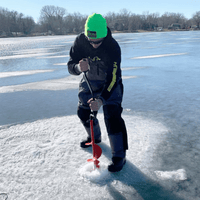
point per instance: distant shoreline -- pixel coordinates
(136, 31)
(164, 30)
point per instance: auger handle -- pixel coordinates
(89, 85)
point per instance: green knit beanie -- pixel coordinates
(96, 26)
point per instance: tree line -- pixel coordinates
(56, 20)
(14, 22)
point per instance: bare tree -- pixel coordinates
(3, 20)
(135, 22)
(57, 20)
(169, 18)
(74, 23)
(110, 19)
(124, 15)
(28, 25)
(13, 22)
(165, 20)
(78, 22)
(196, 18)
(151, 20)
(51, 18)
(68, 23)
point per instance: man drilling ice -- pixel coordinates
(98, 54)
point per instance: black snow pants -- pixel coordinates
(115, 125)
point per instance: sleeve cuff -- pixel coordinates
(77, 69)
(103, 100)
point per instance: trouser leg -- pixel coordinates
(84, 115)
(117, 145)
(116, 130)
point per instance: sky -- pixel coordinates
(32, 8)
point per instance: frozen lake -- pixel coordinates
(38, 100)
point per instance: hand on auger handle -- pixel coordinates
(97, 151)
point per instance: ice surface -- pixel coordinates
(40, 132)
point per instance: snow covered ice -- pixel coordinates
(176, 175)
(40, 132)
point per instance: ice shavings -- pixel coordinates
(94, 174)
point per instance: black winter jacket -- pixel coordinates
(105, 72)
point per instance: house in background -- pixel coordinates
(3, 34)
(159, 28)
(194, 27)
(174, 26)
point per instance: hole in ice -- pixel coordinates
(3, 196)
(87, 171)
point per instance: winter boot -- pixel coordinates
(97, 136)
(118, 152)
(117, 164)
(83, 144)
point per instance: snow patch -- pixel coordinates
(22, 73)
(61, 56)
(128, 77)
(70, 82)
(177, 175)
(159, 56)
(60, 64)
(24, 56)
(32, 51)
(132, 68)
(45, 156)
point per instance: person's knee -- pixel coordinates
(112, 117)
(83, 115)
(111, 111)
